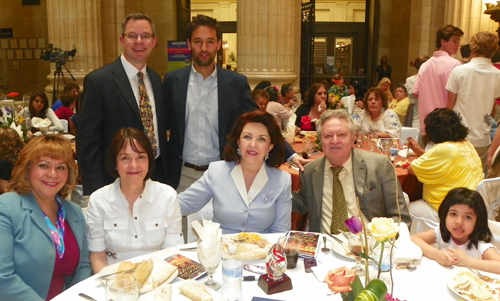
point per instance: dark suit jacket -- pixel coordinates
(108, 104)
(233, 100)
(375, 184)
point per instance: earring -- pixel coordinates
(266, 157)
(238, 152)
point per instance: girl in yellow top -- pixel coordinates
(452, 162)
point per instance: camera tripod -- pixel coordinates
(57, 75)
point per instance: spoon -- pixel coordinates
(325, 249)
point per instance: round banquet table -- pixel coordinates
(409, 183)
(427, 282)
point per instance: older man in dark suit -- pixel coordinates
(331, 184)
(111, 100)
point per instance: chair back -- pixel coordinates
(489, 189)
(495, 231)
(65, 125)
(409, 132)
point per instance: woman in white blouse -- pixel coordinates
(134, 215)
(377, 120)
(39, 107)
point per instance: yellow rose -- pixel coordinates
(383, 228)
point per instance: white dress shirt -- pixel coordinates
(155, 224)
(201, 138)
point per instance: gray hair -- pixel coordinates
(338, 113)
(138, 16)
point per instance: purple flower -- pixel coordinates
(354, 225)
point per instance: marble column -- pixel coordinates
(75, 24)
(269, 40)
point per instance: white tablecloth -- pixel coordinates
(427, 282)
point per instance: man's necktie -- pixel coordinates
(339, 207)
(146, 112)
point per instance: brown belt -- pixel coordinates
(196, 167)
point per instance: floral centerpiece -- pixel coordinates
(12, 95)
(8, 118)
(335, 102)
(346, 281)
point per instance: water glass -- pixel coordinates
(122, 287)
(209, 254)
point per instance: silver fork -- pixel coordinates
(474, 271)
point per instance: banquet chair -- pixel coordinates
(423, 217)
(407, 132)
(65, 125)
(85, 213)
(489, 189)
(495, 231)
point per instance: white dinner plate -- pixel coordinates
(158, 265)
(484, 286)
(306, 132)
(69, 136)
(402, 153)
(177, 295)
(341, 250)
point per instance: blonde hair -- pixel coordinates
(484, 43)
(53, 146)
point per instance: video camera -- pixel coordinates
(57, 55)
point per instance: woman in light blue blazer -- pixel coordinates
(43, 247)
(250, 193)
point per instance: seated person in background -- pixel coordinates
(463, 235)
(249, 192)
(68, 100)
(377, 120)
(311, 109)
(400, 102)
(279, 112)
(39, 107)
(69, 87)
(43, 248)
(288, 99)
(385, 86)
(261, 98)
(10, 147)
(337, 90)
(134, 215)
(358, 174)
(452, 162)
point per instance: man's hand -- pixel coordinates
(300, 162)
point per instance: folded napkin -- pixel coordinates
(38, 122)
(209, 232)
(405, 250)
(17, 129)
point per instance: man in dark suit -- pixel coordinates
(203, 103)
(364, 175)
(111, 101)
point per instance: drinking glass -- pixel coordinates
(385, 145)
(309, 147)
(360, 138)
(210, 253)
(355, 246)
(122, 287)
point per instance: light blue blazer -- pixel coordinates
(269, 208)
(27, 252)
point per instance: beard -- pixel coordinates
(204, 62)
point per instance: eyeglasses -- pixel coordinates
(134, 36)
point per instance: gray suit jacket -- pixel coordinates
(375, 184)
(108, 104)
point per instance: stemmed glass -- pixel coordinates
(309, 147)
(355, 246)
(385, 145)
(210, 253)
(360, 138)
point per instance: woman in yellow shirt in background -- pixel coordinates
(400, 102)
(452, 162)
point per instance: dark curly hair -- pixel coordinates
(471, 198)
(203, 20)
(276, 155)
(313, 89)
(10, 145)
(444, 125)
(378, 93)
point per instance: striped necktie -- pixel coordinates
(146, 112)
(339, 207)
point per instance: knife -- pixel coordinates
(336, 239)
(188, 249)
(84, 296)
